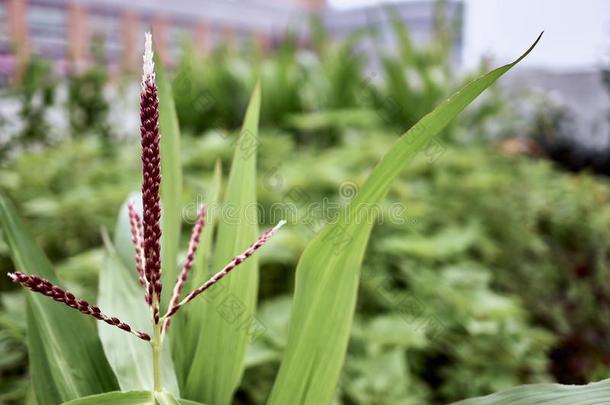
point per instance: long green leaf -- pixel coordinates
(118, 398)
(171, 183)
(66, 357)
(130, 398)
(555, 394)
(120, 294)
(230, 306)
(328, 272)
(202, 268)
(189, 321)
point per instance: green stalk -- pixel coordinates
(157, 344)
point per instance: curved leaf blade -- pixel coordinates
(230, 306)
(328, 272)
(117, 397)
(131, 398)
(556, 394)
(189, 321)
(66, 357)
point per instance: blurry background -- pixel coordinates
(490, 263)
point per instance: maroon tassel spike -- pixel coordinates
(237, 260)
(138, 242)
(190, 259)
(45, 287)
(151, 174)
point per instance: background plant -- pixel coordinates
(36, 93)
(87, 106)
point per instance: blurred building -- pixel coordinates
(63, 30)
(421, 16)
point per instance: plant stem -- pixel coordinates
(157, 344)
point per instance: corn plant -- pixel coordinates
(202, 359)
(87, 107)
(36, 93)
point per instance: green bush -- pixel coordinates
(537, 244)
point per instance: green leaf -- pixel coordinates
(165, 398)
(171, 184)
(449, 242)
(202, 267)
(131, 398)
(556, 394)
(116, 398)
(328, 272)
(230, 306)
(120, 294)
(189, 321)
(66, 358)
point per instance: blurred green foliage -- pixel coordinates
(39, 93)
(87, 106)
(322, 90)
(485, 273)
(35, 95)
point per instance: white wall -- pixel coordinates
(577, 32)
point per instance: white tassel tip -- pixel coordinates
(279, 225)
(148, 65)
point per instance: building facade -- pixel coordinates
(63, 30)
